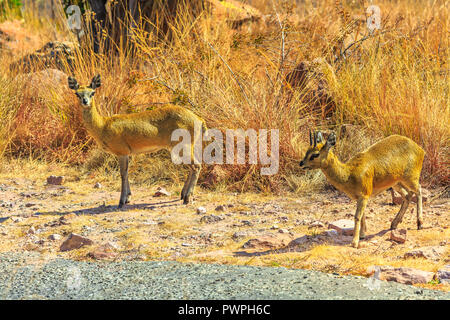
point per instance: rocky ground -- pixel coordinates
(22, 278)
(77, 219)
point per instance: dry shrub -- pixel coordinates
(394, 82)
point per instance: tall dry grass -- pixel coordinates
(393, 82)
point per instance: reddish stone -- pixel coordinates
(398, 235)
(343, 226)
(55, 180)
(75, 241)
(272, 241)
(402, 275)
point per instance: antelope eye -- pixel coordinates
(314, 156)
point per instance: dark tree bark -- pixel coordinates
(126, 14)
(99, 8)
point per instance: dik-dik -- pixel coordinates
(127, 134)
(395, 161)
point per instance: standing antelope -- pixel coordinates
(395, 161)
(134, 133)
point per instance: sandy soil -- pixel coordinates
(292, 229)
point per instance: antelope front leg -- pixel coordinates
(125, 190)
(361, 205)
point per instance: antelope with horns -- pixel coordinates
(127, 134)
(395, 161)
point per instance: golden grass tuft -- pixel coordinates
(395, 82)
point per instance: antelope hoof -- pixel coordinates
(187, 198)
(393, 226)
(419, 225)
(355, 244)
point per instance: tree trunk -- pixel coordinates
(125, 15)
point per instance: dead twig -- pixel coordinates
(231, 71)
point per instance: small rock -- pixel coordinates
(211, 219)
(98, 185)
(75, 241)
(238, 236)
(343, 226)
(186, 244)
(161, 192)
(54, 237)
(55, 180)
(402, 275)
(426, 196)
(220, 208)
(331, 233)
(316, 224)
(105, 251)
(16, 219)
(268, 242)
(283, 231)
(32, 230)
(246, 223)
(443, 274)
(40, 242)
(6, 204)
(431, 253)
(201, 210)
(398, 236)
(274, 227)
(29, 204)
(299, 241)
(66, 218)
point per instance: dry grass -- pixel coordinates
(394, 82)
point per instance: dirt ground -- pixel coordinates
(291, 230)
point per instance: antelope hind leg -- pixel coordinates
(125, 190)
(406, 196)
(419, 208)
(192, 182)
(362, 233)
(186, 184)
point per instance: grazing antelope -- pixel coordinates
(127, 134)
(395, 161)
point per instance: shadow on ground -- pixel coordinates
(113, 208)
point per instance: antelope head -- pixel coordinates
(85, 93)
(317, 153)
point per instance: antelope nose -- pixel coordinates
(85, 101)
(301, 163)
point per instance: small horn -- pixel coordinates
(310, 138)
(315, 139)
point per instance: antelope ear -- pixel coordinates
(96, 82)
(319, 137)
(73, 84)
(331, 141)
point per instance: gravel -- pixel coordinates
(26, 276)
